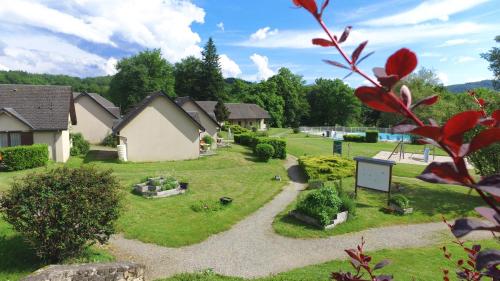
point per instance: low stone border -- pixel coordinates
(117, 271)
(340, 218)
(400, 210)
(151, 191)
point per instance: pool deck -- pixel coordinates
(414, 158)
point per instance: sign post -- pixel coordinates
(375, 174)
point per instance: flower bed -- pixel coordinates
(160, 187)
(338, 219)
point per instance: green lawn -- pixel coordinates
(419, 264)
(429, 201)
(170, 221)
(18, 260)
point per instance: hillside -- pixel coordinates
(460, 88)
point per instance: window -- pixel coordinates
(239, 123)
(15, 139)
(4, 139)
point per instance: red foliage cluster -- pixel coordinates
(450, 136)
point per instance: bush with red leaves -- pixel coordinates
(449, 137)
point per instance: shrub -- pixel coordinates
(262, 133)
(296, 130)
(236, 129)
(247, 139)
(63, 211)
(315, 183)
(111, 141)
(80, 145)
(400, 200)
(254, 129)
(322, 204)
(279, 146)
(208, 139)
(24, 157)
(354, 138)
(264, 151)
(371, 136)
(327, 168)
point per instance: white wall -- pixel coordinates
(93, 121)
(161, 132)
(211, 129)
(11, 124)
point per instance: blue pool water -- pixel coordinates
(381, 136)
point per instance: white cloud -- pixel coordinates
(220, 26)
(430, 55)
(263, 70)
(229, 67)
(3, 67)
(443, 77)
(162, 24)
(110, 66)
(464, 59)
(383, 36)
(456, 42)
(426, 11)
(263, 33)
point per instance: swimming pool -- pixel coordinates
(381, 136)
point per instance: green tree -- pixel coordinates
(140, 75)
(265, 95)
(221, 111)
(291, 88)
(188, 77)
(212, 82)
(332, 103)
(493, 56)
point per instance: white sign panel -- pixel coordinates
(374, 176)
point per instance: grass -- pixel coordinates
(430, 202)
(171, 221)
(419, 264)
(17, 259)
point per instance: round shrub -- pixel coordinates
(110, 141)
(296, 130)
(63, 211)
(400, 201)
(264, 151)
(208, 139)
(80, 145)
(322, 204)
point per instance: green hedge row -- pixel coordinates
(327, 168)
(354, 138)
(252, 140)
(371, 136)
(24, 157)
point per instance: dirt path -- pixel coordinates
(252, 249)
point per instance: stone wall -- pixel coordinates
(118, 271)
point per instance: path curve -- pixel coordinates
(251, 248)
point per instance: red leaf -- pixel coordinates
(388, 81)
(379, 72)
(379, 99)
(455, 128)
(430, 132)
(484, 139)
(309, 5)
(427, 101)
(322, 42)
(401, 63)
(358, 51)
(337, 64)
(481, 102)
(345, 34)
(443, 172)
(323, 7)
(406, 95)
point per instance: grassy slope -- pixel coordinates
(419, 264)
(18, 260)
(233, 172)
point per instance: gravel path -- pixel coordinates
(252, 249)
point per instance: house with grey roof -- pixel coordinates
(31, 114)
(247, 115)
(96, 116)
(159, 129)
(206, 119)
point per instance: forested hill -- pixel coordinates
(92, 84)
(460, 88)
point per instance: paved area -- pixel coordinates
(252, 249)
(414, 158)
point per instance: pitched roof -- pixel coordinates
(238, 110)
(41, 107)
(143, 104)
(211, 115)
(100, 100)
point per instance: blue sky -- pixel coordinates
(254, 38)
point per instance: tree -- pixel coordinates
(221, 112)
(212, 82)
(332, 103)
(265, 95)
(140, 75)
(188, 77)
(493, 56)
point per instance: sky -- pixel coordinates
(254, 39)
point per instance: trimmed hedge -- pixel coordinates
(322, 204)
(80, 145)
(24, 157)
(279, 146)
(247, 139)
(371, 136)
(354, 138)
(264, 151)
(327, 168)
